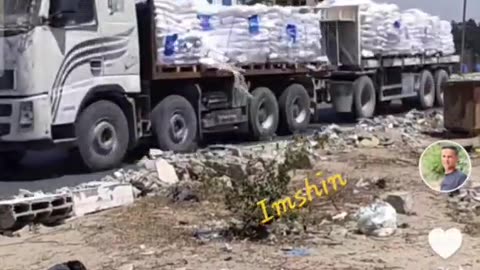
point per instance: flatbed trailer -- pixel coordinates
(283, 94)
(361, 85)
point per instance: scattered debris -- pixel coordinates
(166, 172)
(247, 174)
(340, 216)
(97, 196)
(378, 219)
(401, 201)
(297, 252)
(369, 142)
(466, 205)
(70, 265)
(127, 267)
(414, 122)
(206, 235)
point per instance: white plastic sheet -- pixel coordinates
(378, 219)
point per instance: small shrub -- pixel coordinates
(266, 179)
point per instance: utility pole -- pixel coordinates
(464, 29)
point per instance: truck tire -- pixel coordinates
(426, 92)
(364, 97)
(441, 76)
(294, 104)
(102, 135)
(175, 125)
(12, 158)
(263, 114)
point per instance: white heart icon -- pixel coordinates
(445, 243)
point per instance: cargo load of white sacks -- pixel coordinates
(197, 32)
(387, 30)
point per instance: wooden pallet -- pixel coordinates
(198, 71)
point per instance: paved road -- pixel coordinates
(50, 170)
(44, 171)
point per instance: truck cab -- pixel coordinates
(60, 57)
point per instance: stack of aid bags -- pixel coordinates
(195, 31)
(387, 30)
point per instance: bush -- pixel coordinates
(265, 179)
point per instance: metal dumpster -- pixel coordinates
(462, 106)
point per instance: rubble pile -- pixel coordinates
(466, 205)
(221, 163)
(414, 122)
(177, 175)
(215, 164)
(475, 76)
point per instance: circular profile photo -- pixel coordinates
(445, 166)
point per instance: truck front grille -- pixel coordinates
(5, 110)
(7, 79)
(4, 129)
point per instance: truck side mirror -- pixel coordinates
(59, 8)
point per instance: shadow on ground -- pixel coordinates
(45, 165)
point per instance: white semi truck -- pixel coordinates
(84, 73)
(360, 85)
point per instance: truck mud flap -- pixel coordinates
(342, 96)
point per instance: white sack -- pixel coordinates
(194, 31)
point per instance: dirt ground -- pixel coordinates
(156, 234)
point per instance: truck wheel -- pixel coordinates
(426, 92)
(263, 114)
(294, 104)
(364, 97)
(102, 135)
(441, 76)
(12, 158)
(175, 124)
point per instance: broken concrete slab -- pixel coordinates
(401, 201)
(98, 196)
(369, 142)
(166, 172)
(37, 208)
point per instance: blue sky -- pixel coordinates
(446, 9)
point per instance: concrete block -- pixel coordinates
(401, 201)
(38, 208)
(166, 172)
(101, 196)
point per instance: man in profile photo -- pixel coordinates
(454, 178)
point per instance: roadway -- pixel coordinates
(50, 170)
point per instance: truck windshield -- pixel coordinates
(19, 13)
